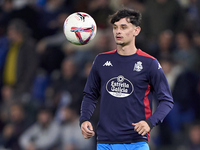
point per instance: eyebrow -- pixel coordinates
(123, 25)
(120, 25)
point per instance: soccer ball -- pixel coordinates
(79, 28)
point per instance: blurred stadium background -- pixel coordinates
(42, 75)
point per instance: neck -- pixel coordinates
(126, 50)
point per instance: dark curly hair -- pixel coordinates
(132, 16)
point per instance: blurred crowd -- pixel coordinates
(42, 75)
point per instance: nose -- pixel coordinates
(118, 31)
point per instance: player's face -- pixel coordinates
(124, 32)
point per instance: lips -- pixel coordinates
(118, 37)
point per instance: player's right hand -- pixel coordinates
(87, 130)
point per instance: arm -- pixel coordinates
(163, 93)
(25, 139)
(145, 126)
(27, 62)
(160, 86)
(91, 94)
(51, 138)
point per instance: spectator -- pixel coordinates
(68, 84)
(49, 47)
(193, 16)
(7, 101)
(48, 17)
(171, 70)
(185, 54)
(5, 11)
(164, 47)
(192, 142)
(134, 4)
(160, 15)
(20, 62)
(71, 135)
(99, 10)
(186, 108)
(17, 124)
(19, 9)
(44, 134)
(196, 45)
(58, 39)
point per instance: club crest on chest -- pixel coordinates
(138, 66)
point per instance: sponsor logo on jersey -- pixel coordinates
(138, 66)
(108, 63)
(119, 87)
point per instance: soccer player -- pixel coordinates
(125, 79)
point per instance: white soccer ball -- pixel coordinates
(79, 28)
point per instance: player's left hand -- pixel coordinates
(141, 127)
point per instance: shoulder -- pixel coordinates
(143, 54)
(148, 60)
(107, 53)
(104, 56)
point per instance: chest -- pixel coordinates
(123, 73)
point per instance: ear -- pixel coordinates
(137, 30)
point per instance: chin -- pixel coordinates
(120, 43)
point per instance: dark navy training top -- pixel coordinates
(126, 85)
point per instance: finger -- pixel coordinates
(144, 133)
(90, 127)
(141, 131)
(91, 131)
(87, 136)
(87, 131)
(137, 128)
(133, 124)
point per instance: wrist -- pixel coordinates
(81, 121)
(149, 123)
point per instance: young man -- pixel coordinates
(126, 79)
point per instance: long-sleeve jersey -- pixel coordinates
(126, 85)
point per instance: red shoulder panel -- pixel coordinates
(109, 52)
(141, 53)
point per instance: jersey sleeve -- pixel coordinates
(163, 94)
(90, 94)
